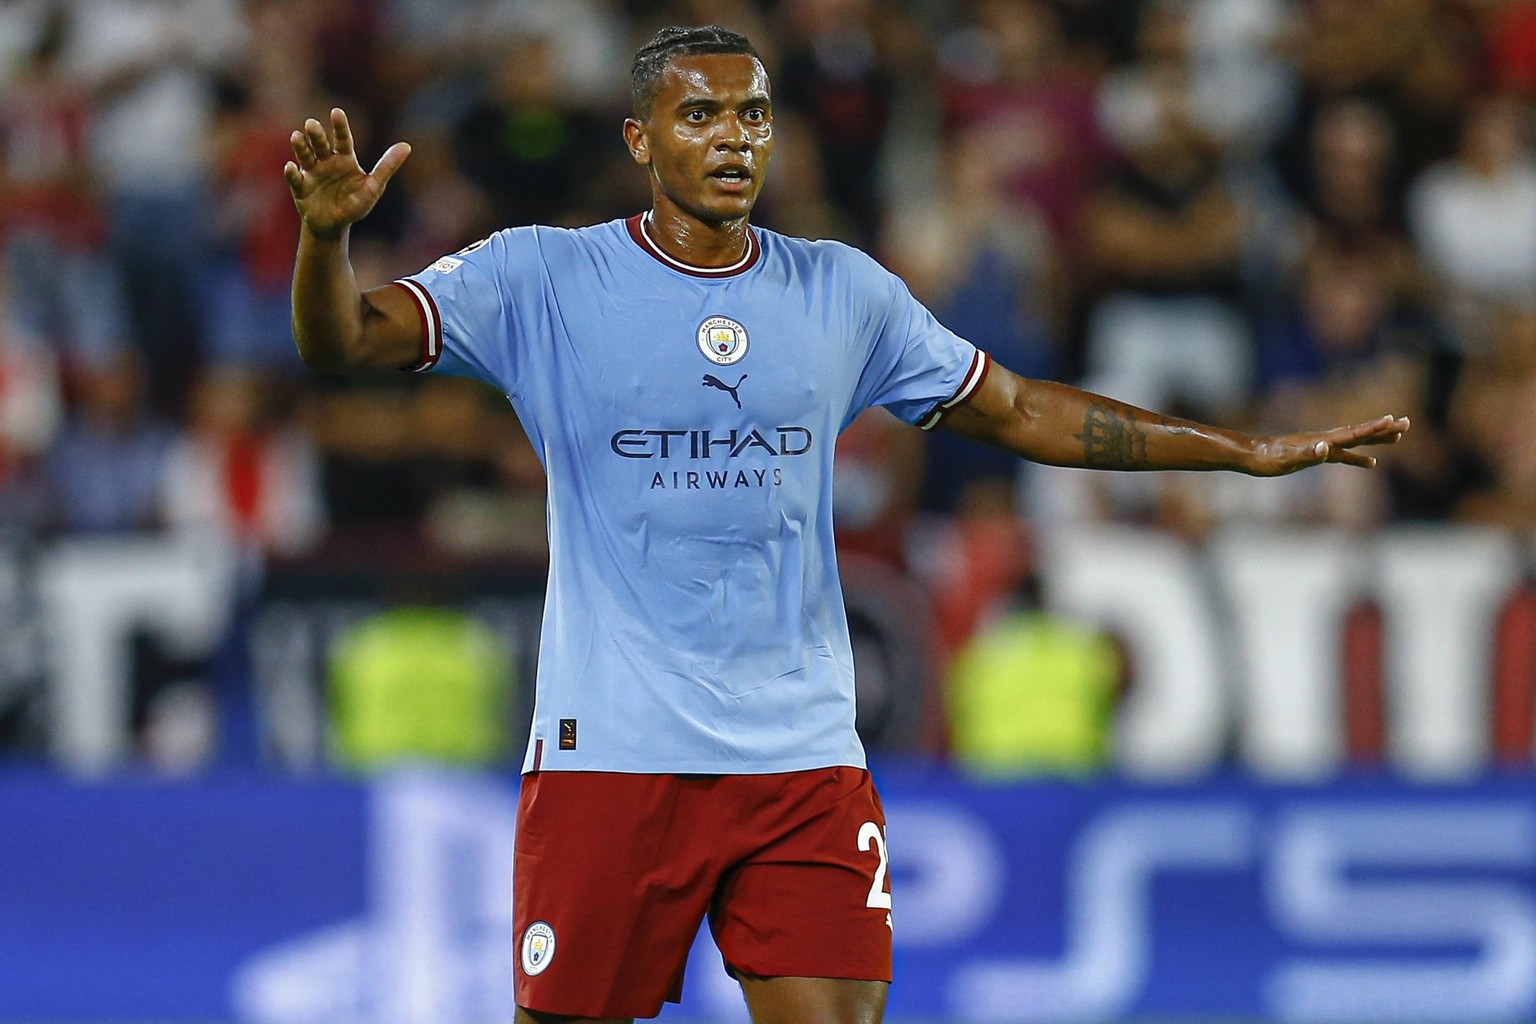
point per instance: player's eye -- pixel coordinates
(696, 116)
(756, 115)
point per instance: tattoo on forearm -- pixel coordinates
(1112, 441)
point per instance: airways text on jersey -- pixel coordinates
(716, 479)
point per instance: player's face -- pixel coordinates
(709, 135)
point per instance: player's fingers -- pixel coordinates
(1392, 430)
(293, 176)
(341, 130)
(302, 151)
(1382, 431)
(1354, 433)
(390, 162)
(1389, 437)
(1352, 458)
(1385, 427)
(1385, 437)
(314, 131)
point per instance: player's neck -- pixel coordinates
(695, 242)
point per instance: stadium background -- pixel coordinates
(1171, 748)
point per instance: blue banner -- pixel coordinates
(331, 902)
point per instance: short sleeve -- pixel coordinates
(475, 307)
(917, 368)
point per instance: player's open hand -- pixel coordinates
(329, 186)
(1286, 453)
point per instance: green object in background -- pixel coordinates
(419, 683)
(1032, 694)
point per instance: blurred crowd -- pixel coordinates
(1268, 214)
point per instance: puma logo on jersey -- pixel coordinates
(711, 381)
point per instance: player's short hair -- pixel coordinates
(651, 59)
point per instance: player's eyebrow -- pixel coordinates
(710, 103)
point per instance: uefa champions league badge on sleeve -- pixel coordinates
(538, 948)
(722, 340)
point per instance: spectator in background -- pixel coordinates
(587, 40)
(497, 514)
(1353, 194)
(834, 74)
(441, 54)
(1352, 181)
(1494, 417)
(1033, 693)
(1218, 57)
(973, 561)
(364, 434)
(526, 144)
(795, 200)
(354, 55)
(1343, 346)
(242, 472)
(1339, 345)
(423, 58)
(63, 290)
(1474, 217)
(420, 682)
(1007, 79)
(879, 473)
(983, 264)
(246, 474)
(31, 408)
(462, 435)
(252, 226)
(986, 268)
(751, 18)
(1417, 59)
(105, 471)
(446, 451)
(1215, 61)
(458, 208)
(1354, 216)
(1238, 57)
(150, 67)
(1509, 31)
(1164, 241)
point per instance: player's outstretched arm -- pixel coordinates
(335, 325)
(1064, 426)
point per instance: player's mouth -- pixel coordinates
(732, 178)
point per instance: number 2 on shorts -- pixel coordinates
(869, 833)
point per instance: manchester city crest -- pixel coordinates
(538, 947)
(722, 340)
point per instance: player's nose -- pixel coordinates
(732, 133)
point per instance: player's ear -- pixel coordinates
(639, 145)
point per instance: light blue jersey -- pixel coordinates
(686, 419)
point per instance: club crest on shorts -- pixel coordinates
(538, 948)
(722, 340)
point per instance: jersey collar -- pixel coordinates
(640, 230)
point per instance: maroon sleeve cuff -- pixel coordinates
(431, 326)
(973, 378)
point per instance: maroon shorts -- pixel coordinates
(614, 872)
